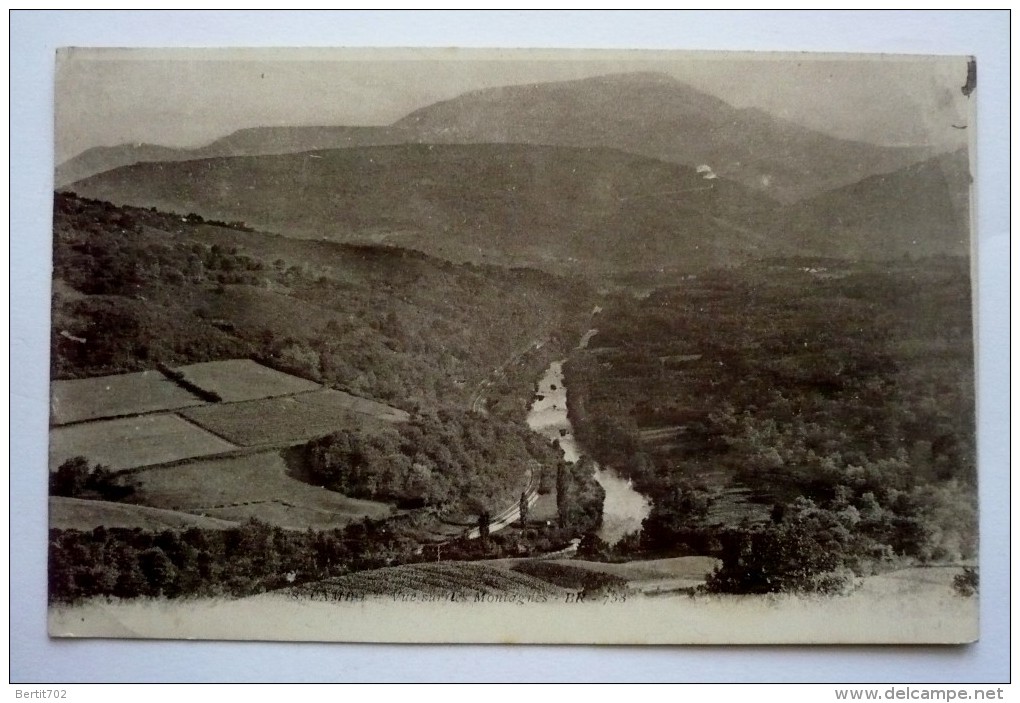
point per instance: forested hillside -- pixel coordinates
(831, 403)
(135, 288)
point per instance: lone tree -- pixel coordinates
(524, 509)
(483, 524)
(72, 478)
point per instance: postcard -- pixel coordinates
(513, 346)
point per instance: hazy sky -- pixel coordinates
(188, 98)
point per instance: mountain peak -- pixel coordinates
(636, 77)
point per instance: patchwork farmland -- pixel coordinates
(267, 485)
(243, 379)
(128, 442)
(451, 580)
(85, 399)
(190, 457)
(72, 513)
(289, 419)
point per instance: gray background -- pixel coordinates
(35, 35)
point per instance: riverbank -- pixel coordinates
(624, 509)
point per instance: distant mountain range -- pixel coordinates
(646, 114)
(630, 172)
(245, 142)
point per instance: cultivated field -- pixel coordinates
(260, 407)
(242, 379)
(78, 514)
(564, 574)
(516, 576)
(133, 441)
(289, 419)
(442, 581)
(372, 408)
(653, 575)
(240, 487)
(544, 508)
(112, 396)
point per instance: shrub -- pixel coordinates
(966, 583)
(807, 554)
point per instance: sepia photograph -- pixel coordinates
(513, 346)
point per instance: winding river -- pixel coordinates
(624, 508)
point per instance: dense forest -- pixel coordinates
(252, 558)
(824, 409)
(457, 462)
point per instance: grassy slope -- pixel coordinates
(108, 396)
(125, 443)
(526, 205)
(442, 580)
(920, 210)
(262, 486)
(513, 576)
(288, 419)
(685, 568)
(78, 514)
(557, 208)
(242, 379)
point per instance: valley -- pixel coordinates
(501, 349)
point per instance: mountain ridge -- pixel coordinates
(648, 114)
(924, 207)
(557, 208)
(553, 207)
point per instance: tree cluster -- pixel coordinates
(456, 461)
(253, 557)
(579, 497)
(77, 478)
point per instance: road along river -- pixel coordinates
(624, 508)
